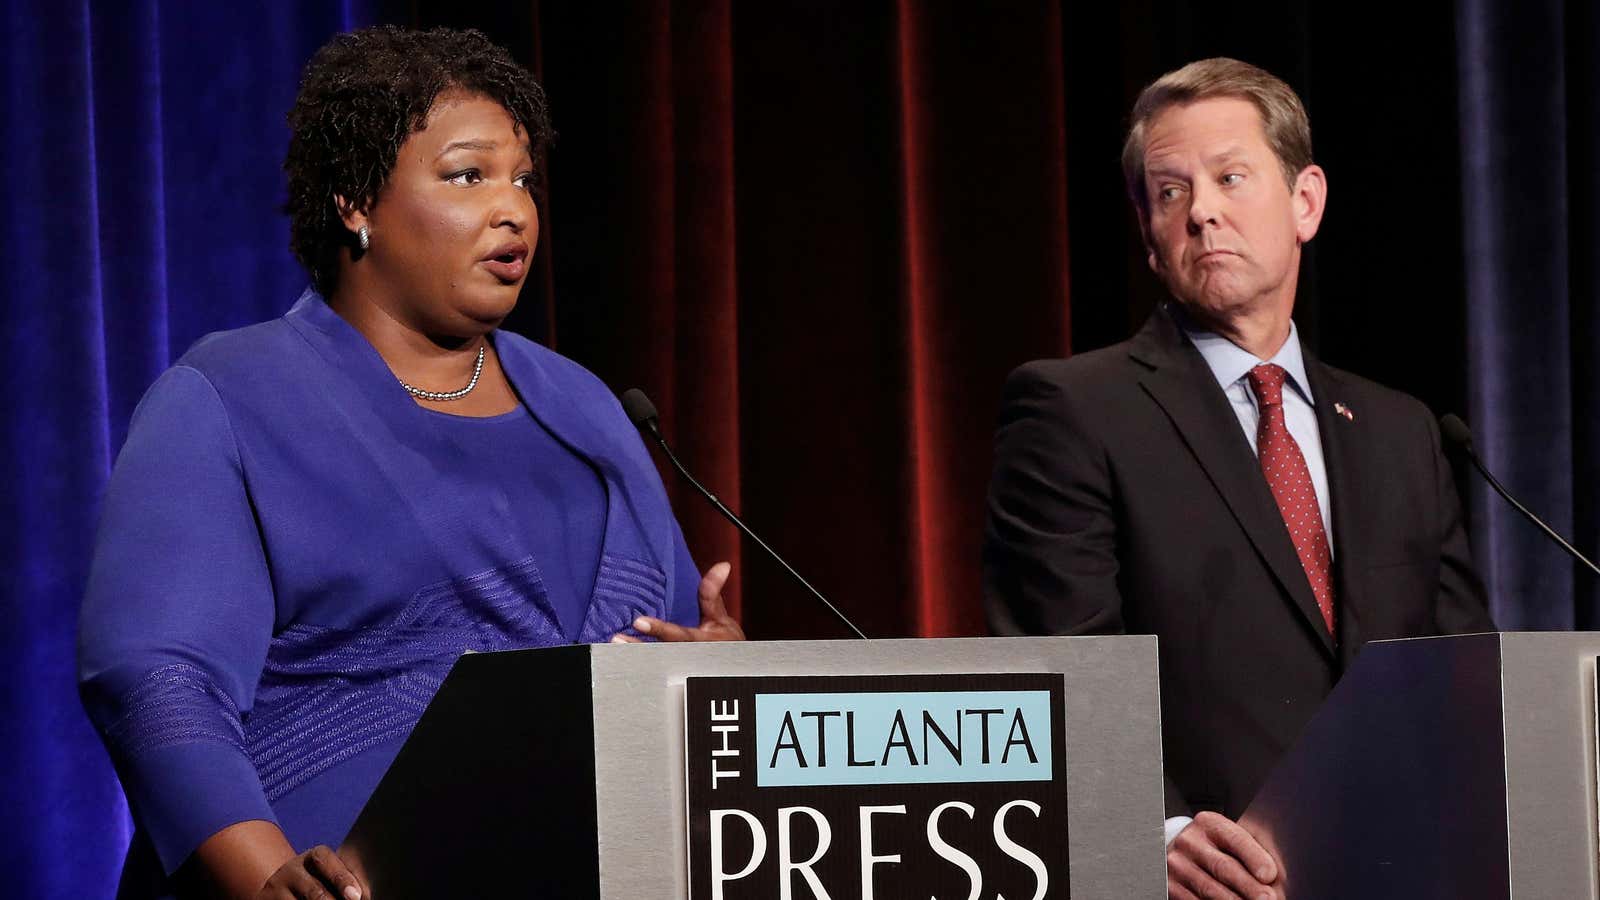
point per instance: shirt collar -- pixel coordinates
(1230, 363)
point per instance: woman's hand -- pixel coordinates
(253, 859)
(317, 874)
(715, 623)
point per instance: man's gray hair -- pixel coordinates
(1283, 117)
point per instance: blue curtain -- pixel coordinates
(144, 144)
(1530, 121)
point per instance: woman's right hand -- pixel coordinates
(317, 874)
(252, 860)
(715, 622)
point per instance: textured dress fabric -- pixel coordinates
(292, 554)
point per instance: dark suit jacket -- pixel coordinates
(1125, 498)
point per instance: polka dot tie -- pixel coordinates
(1290, 481)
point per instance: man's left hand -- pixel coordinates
(1214, 858)
(715, 622)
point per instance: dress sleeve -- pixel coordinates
(684, 603)
(177, 619)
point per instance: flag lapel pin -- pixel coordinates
(1343, 410)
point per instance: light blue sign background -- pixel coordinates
(874, 719)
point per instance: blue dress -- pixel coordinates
(292, 554)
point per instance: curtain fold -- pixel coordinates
(1528, 124)
(793, 231)
(142, 212)
(983, 254)
(59, 793)
(1583, 173)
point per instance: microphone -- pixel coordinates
(1459, 434)
(643, 415)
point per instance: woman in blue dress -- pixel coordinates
(314, 516)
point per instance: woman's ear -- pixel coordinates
(351, 215)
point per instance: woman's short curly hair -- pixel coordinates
(362, 94)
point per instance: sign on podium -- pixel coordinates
(1028, 768)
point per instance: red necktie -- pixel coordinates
(1290, 481)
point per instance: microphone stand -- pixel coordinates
(1451, 426)
(1527, 513)
(654, 426)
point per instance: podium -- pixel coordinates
(1444, 767)
(561, 772)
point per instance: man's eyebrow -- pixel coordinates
(469, 144)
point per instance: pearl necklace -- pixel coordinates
(477, 369)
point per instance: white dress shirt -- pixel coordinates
(1230, 363)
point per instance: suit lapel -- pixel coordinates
(1348, 466)
(1181, 383)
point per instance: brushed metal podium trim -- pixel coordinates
(1111, 714)
(1550, 738)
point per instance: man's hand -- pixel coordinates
(715, 623)
(1215, 859)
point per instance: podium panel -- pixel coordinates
(560, 772)
(1443, 768)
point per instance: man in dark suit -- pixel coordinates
(1209, 482)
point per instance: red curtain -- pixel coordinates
(818, 237)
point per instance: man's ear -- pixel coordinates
(1310, 199)
(352, 216)
(1149, 245)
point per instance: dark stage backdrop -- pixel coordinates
(819, 234)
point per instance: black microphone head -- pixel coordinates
(641, 412)
(1455, 430)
